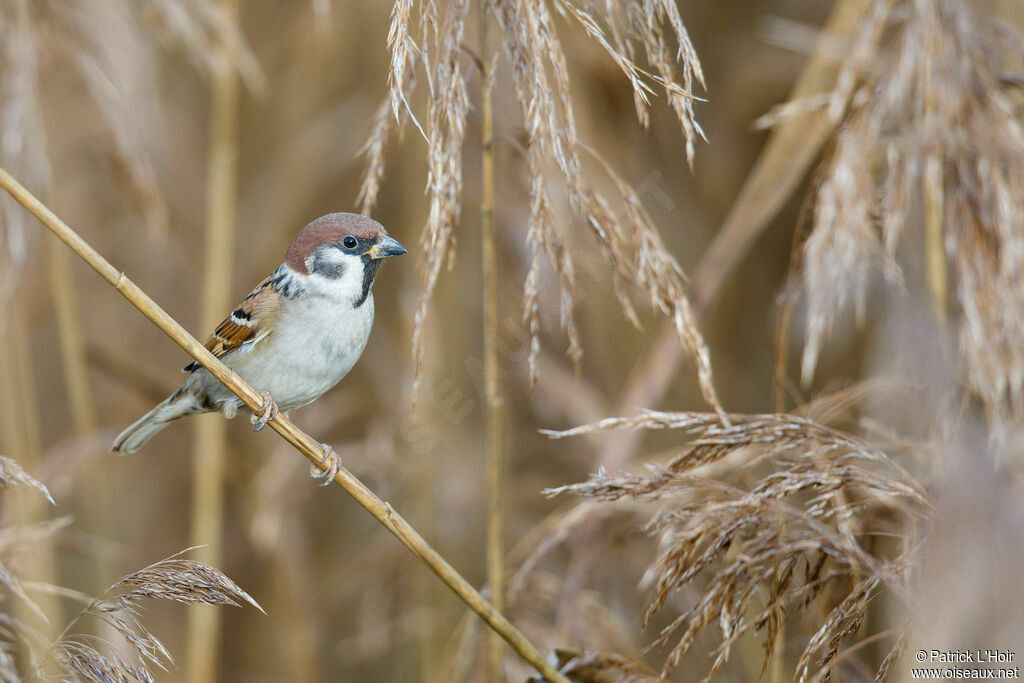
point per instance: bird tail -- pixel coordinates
(174, 407)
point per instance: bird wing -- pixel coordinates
(249, 323)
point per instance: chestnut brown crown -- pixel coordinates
(329, 229)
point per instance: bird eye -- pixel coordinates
(350, 242)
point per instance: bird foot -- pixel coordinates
(265, 414)
(330, 465)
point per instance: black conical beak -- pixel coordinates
(386, 248)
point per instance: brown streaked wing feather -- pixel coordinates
(248, 323)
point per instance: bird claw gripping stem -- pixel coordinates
(330, 465)
(265, 414)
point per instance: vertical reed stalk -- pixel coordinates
(21, 438)
(72, 346)
(210, 436)
(95, 492)
(780, 673)
(495, 554)
(935, 252)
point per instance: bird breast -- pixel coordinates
(313, 346)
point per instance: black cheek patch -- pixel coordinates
(326, 267)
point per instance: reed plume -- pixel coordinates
(76, 653)
(651, 33)
(174, 579)
(923, 176)
(805, 531)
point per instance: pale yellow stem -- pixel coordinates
(495, 464)
(21, 439)
(935, 252)
(210, 435)
(95, 494)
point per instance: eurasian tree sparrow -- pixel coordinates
(294, 336)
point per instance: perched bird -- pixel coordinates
(294, 336)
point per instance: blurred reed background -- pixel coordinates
(853, 228)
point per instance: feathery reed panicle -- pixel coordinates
(179, 580)
(175, 579)
(631, 245)
(13, 474)
(16, 541)
(446, 131)
(774, 547)
(935, 136)
(384, 124)
(86, 656)
(636, 23)
(394, 110)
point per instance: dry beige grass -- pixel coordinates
(911, 108)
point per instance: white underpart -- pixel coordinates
(318, 337)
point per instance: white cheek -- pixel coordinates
(349, 286)
(352, 280)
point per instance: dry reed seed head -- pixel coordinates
(179, 580)
(147, 647)
(175, 579)
(633, 24)
(935, 130)
(403, 49)
(446, 130)
(88, 664)
(827, 498)
(542, 236)
(631, 246)
(541, 77)
(384, 123)
(891, 658)
(12, 474)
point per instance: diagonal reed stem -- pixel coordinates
(305, 444)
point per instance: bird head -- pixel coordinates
(340, 253)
